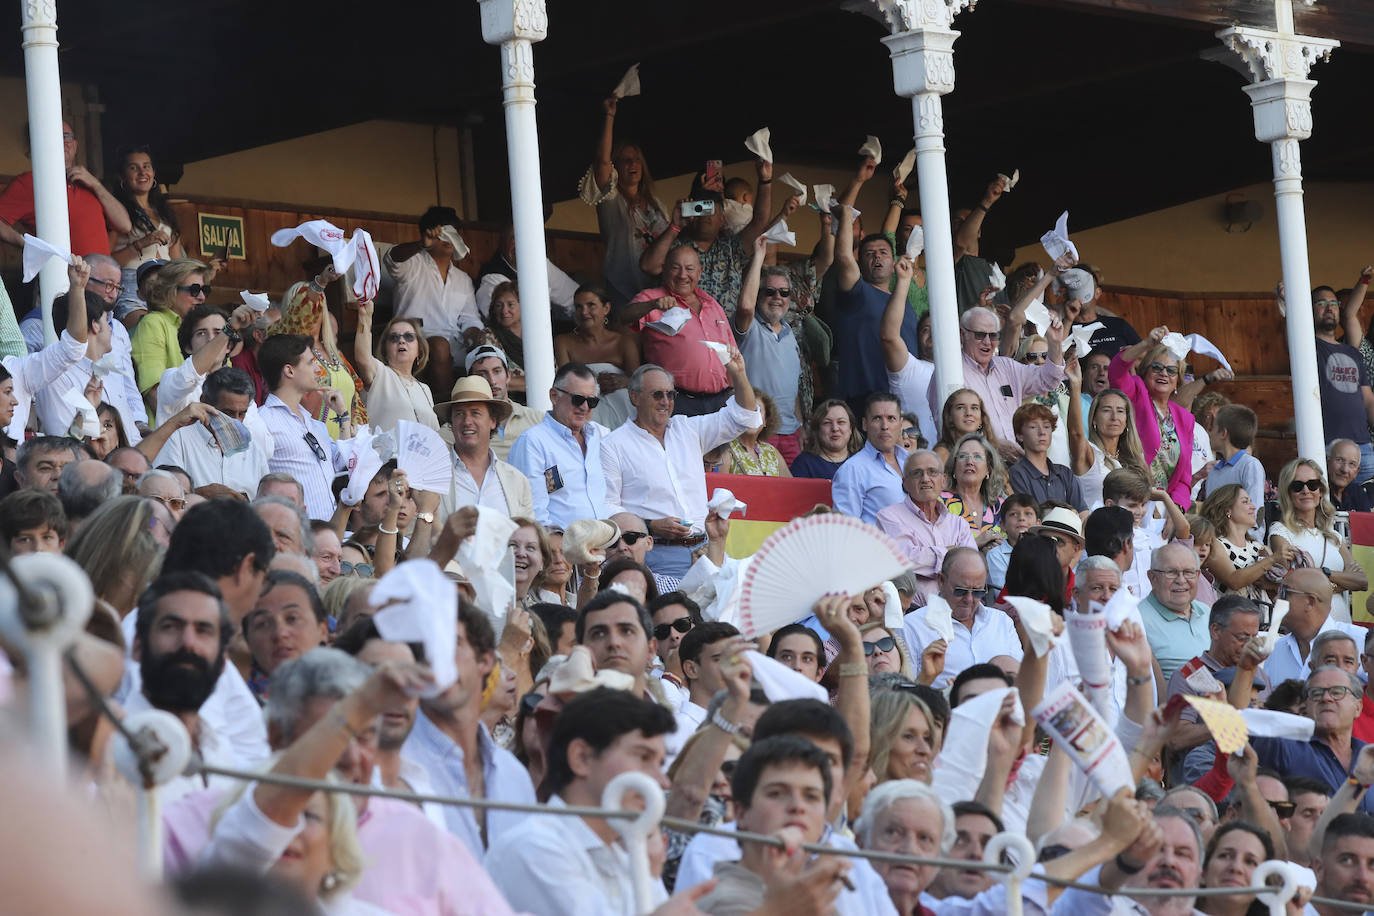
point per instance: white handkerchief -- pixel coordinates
(916, 242)
(1176, 344)
(481, 557)
(825, 197)
(939, 617)
(850, 214)
(1038, 623)
(107, 364)
(787, 179)
(963, 758)
(258, 302)
(903, 168)
(1080, 336)
(365, 265)
(779, 234)
(629, 83)
(1038, 315)
(700, 582)
(893, 612)
(1272, 635)
(1271, 723)
(873, 149)
(1056, 241)
(1009, 182)
(460, 247)
(757, 143)
(721, 350)
(419, 604)
(671, 321)
(363, 465)
(36, 254)
(1121, 608)
(1204, 683)
(424, 457)
(996, 279)
(1200, 344)
(319, 232)
(724, 504)
(779, 682)
(85, 415)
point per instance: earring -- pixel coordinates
(330, 882)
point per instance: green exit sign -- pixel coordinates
(217, 232)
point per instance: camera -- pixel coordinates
(698, 207)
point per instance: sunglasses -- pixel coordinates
(782, 292)
(315, 446)
(1283, 809)
(1157, 368)
(195, 289)
(632, 538)
(365, 570)
(682, 625)
(993, 336)
(669, 395)
(961, 592)
(1298, 486)
(175, 503)
(1043, 354)
(886, 644)
(579, 400)
(401, 336)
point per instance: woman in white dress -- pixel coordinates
(1111, 441)
(390, 389)
(1305, 517)
(609, 352)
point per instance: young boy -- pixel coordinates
(1232, 434)
(1035, 474)
(1131, 490)
(1019, 512)
(32, 521)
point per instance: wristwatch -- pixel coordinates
(1326, 571)
(426, 517)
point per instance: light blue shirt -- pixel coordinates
(1174, 640)
(998, 559)
(866, 484)
(505, 777)
(566, 483)
(774, 367)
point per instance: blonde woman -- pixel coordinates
(304, 311)
(118, 548)
(1149, 374)
(1237, 561)
(1111, 440)
(1305, 517)
(904, 737)
(885, 651)
(176, 288)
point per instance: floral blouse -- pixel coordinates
(767, 463)
(977, 524)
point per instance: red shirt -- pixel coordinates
(85, 215)
(693, 366)
(1364, 725)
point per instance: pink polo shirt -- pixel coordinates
(925, 541)
(693, 366)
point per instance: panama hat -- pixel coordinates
(473, 389)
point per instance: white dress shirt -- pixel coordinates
(292, 454)
(36, 371)
(911, 384)
(120, 348)
(55, 415)
(195, 451)
(550, 456)
(562, 289)
(1286, 662)
(488, 493)
(689, 717)
(445, 306)
(992, 634)
(557, 866)
(666, 480)
(178, 387)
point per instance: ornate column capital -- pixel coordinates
(1274, 55)
(37, 14)
(911, 15)
(513, 20)
(922, 61)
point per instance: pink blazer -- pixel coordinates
(1147, 425)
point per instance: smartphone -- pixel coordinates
(222, 254)
(713, 170)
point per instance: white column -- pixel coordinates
(1281, 99)
(515, 25)
(922, 51)
(39, 24)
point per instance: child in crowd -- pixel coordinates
(1131, 490)
(1019, 513)
(1231, 435)
(32, 521)
(1035, 474)
(1204, 542)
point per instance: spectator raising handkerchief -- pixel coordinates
(800, 189)
(903, 168)
(628, 85)
(757, 143)
(36, 254)
(1057, 244)
(873, 149)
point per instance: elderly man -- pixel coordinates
(1175, 621)
(980, 632)
(1233, 622)
(479, 477)
(1336, 649)
(871, 479)
(289, 524)
(130, 463)
(164, 487)
(85, 486)
(1001, 381)
(770, 348)
(920, 524)
(1342, 467)
(1096, 580)
(562, 455)
(229, 392)
(38, 463)
(1167, 855)
(653, 463)
(1308, 593)
(491, 363)
(92, 211)
(703, 383)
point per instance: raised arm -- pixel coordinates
(749, 288)
(823, 255)
(895, 205)
(744, 392)
(1178, 522)
(699, 764)
(78, 273)
(895, 353)
(362, 345)
(1350, 311)
(651, 261)
(192, 413)
(602, 167)
(1132, 354)
(211, 356)
(852, 699)
(1080, 449)
(1346, 800)
(1016, 318)
(845, 261)
(763, 203)
(966, 236)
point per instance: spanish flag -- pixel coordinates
(772, 502)
(1362, 547)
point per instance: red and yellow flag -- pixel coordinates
(1362, 546)
(772, 502)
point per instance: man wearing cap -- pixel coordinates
(1176, 623)
(561, 455)
(1115, 333)
(479, 477)
(490, 363)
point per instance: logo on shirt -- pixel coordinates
(1342, 373)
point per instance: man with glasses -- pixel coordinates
(92, 211)
(1176, 623)
(1233, 622)
(1347, 402)
(1308, 593)
(653, 463)
(770, 348)
(561, 455)
(922, 526)
(980, 632)
(1001, 381)
(164, 487)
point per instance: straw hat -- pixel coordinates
(1061, 521)
(473, 389)
(587, 540)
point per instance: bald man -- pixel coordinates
(1175, 621)
(1309, 614)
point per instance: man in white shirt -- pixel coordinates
(431, 287)
(569, 866)
(301, 445)
(35, 371)
(209, 336)
(479, 477)
(653, 463)
(1309, 615)
(491, 363)
(55, 412)
(561, 456)
(908, 377)
(229, 392)
(501, 269)
(700, 653)
(980, 632)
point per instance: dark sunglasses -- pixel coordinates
(1171, 371)
(579, 399)
(782, 292)
(399, 336)
(961, 592)
(986, 335)
(529, 702)
(365, 570)
(1283, 809)
(885, 644)
(682, 625)
(1298, 486)
(632, 538)
(315, 446)
(195, 289)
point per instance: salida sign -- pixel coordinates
(217, 232)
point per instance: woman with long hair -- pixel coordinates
(606, 350)
(391, 392)
(119, 551)
(1111, 440)
(1238, 562)
(304, 311)
(504, 328)
(977, 484)
(1149, 374)
(832, 435)
(904, 738)
(750, 453)
(155, 235)
(964, 413)
(1305, 525)
(532, 556)
(1232, 855)
(173, 290)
